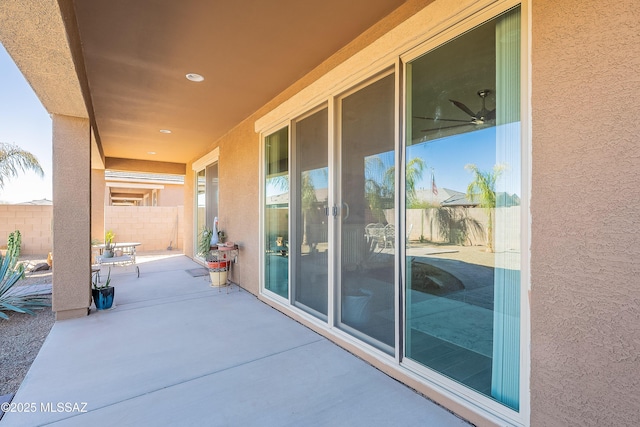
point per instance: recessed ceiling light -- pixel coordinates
(194, 77)
(151, 152)
(165, 131)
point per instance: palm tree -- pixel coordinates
(14, 159)
(483, 187)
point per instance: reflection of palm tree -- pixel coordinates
(483, 187)
(415, 168)
(279, 181)
(379, 187)
(14, 159)
(380, 184)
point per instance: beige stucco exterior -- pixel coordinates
(97, 204)
(585, 201)
(71, 216)
(583, 301)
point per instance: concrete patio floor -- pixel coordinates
(175, 351)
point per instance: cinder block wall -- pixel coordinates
(154, 227)
(34, 223)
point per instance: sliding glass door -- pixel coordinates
(410, 242)
(311, 236)
(366, 227)
(463, 194)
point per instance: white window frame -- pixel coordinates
(201, 164)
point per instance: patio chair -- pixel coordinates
(389, 236)
(374, 234)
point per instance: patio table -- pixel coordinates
(128, 256)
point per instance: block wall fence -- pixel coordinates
(154, 227)
(35, 224)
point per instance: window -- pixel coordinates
(276, 212)
(463, 207)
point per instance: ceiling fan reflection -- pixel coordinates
(484, 116)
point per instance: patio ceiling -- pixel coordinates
(136, 56)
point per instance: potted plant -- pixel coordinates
(108, 244)
(102, 294)
(204, 241)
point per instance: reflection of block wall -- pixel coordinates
(506, 226)
(154, 227)
(34, 223)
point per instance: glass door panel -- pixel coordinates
(463, 199)
(212, 193)
(276, 213)
(311, 236)
(367, 229)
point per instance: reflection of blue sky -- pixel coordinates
(319, 178)
(274, 186)
(447, 158)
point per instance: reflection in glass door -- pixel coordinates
(276, 213)
(310, 151)
(367, 226)
(463, 273)
(212, 193)
(206, 199)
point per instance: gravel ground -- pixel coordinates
(22, 336)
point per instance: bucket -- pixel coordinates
(218, 278)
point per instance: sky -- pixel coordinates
(445, 160)
(25, 123)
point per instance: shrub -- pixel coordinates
(10, 299)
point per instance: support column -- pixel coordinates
(71, 216)
(98, 202)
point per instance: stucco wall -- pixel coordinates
(34, 224)
(585, 208)
(97, 202)
(239, 186)
(171, 195)
(71, 216)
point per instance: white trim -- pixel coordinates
(201, 164)
(204, 161)
(134, 185)
(261, 211)
(525, 232)
(399, 249)
(332, 157)
(261, 214)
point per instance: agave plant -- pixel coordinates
(10, 298)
